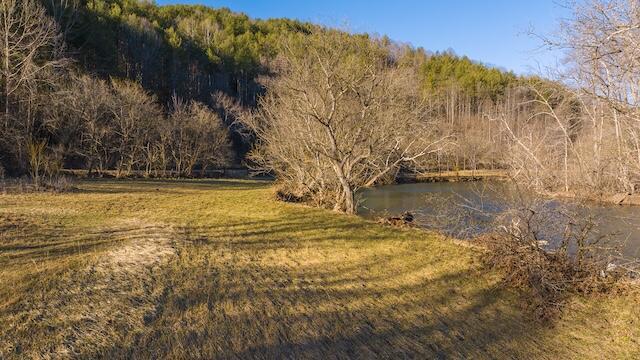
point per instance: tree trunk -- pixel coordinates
(348, 196)
(349, 199)
(90, 167)
(6, 70)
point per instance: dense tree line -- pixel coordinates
(55, 114)
(190, 51)
(183, 52)
(447, 72)
(187, 51)
(130, 86)
(461, 93)
(193, 51)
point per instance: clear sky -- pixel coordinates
(491, 31)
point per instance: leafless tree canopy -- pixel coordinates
(195, 135)
(30, 45)
(340, 115)
(585, 137)
(30, 56)
(52, 113)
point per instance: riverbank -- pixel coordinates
(452, 176)
(467, 209)
(610, 199)
(217, 269)
(501, 175)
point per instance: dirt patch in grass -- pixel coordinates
(92, 308)
(146, 244)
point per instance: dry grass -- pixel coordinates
(217, 269)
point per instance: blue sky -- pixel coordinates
(492, 31)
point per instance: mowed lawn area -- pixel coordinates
(218, 269)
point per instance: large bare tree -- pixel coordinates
(88, 107)
(134, 113)
(340, 115)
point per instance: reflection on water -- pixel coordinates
(481, 202)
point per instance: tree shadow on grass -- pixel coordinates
(302, 283)
(346, 320)
(284, 291)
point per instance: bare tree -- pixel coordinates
(88, 107)
(543, 148)
(339, 116)
(36, 154)
(30, 44)
(197, 136)
(582, 137)
(134, 113)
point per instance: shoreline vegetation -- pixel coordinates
(173, 268)
(245, 173)
(452, 176)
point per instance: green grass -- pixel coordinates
(217, 269)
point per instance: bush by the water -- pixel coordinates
(550, 269)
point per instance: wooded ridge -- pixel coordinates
(128, 86)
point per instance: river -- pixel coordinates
(466, 209)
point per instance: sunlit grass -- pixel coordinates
(217, 269)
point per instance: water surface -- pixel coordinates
(438, 205)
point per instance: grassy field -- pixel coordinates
(217, 269)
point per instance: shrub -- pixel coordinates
(59, 184)
(56, 184)
(552, 251)
(284, 193)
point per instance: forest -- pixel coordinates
(166, 55)
(132, 88)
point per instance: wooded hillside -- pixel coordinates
(166, 59)
(193, 52)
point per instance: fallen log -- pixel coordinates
(406, 219)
